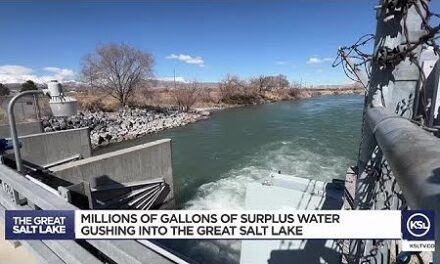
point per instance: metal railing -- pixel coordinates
(19, 193)
(413, 155)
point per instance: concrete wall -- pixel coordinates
(25, 128)
(148, 161)
(50, 147)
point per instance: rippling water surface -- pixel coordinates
(215, 159)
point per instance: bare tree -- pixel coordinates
(260, 83)
(88, 72)
(269, 83)
(118, 70)
(230, 86)
(185, 95)
(281, 82)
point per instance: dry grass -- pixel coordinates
(43, 105)
(287, 94)
(97, 102)
(164, 98)
(101, 102)
(206, 98)
(156, 97)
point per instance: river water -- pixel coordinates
(214, 160)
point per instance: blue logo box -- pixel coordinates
(39, 224)
(418, 225)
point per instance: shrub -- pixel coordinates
(90, 103)
(4, 90)
(28, 85)
(186, 95)
(295, 92)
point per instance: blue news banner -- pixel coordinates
(39, 224)
(417, 227)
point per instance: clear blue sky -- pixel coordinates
(218, 37)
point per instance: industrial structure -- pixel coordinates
(399, 155)
(56, 170)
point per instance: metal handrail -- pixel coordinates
(120, 251)
(13, 126)
(413, 155)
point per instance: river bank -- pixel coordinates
(134, 122)
(125, 124)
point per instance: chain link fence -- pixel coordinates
(28, 108)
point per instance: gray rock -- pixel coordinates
(48, 129)
(204, 113)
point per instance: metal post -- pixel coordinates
(37, 107)
(13, 126)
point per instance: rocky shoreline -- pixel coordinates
(125, 124)
(130, 123)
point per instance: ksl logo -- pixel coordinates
(418, 225)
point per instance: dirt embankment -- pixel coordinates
(205, 98)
